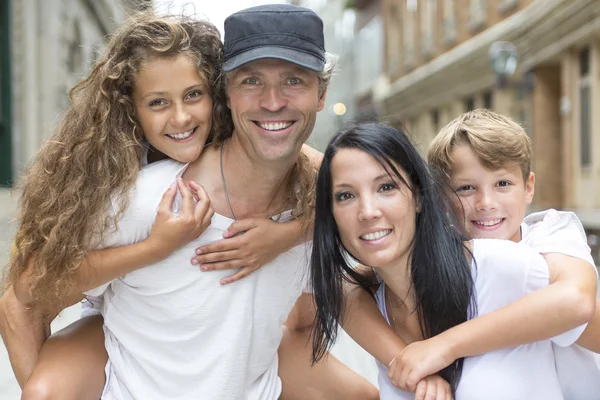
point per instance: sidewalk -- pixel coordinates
(9, 389)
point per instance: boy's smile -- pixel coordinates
(489, 203)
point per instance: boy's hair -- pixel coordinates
(95, 155)
(497, 141)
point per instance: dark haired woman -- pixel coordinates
(377, 204)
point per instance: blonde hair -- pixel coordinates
(497, 141)
(95, 155)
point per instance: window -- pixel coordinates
(477, 14)
(394, 36)
(584, 62)
(585, 108)
(74, 53)
(435, 121)
(449, 22)
(488, 99)
(504, 6)
(408, 34)
(470, 103)
(428, 23)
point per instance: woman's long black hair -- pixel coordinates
(440, 272)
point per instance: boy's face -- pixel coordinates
(491, 204)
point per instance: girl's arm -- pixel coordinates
(568, 302)
(169, 232)
(251, 243)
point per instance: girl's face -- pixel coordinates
(374, 211)
(173, 106)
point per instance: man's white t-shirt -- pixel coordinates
(503, 272)
(552, 231)
(173, 332)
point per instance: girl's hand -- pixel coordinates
(248, 244)
(433, 387)
(170, 231)
(419, 360)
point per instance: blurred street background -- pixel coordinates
(414, 62)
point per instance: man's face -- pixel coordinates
(490, 204)
(274, 105)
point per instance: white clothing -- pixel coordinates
(503, 272)
(552, 231)
(173, 332)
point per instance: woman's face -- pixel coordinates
(374, 211)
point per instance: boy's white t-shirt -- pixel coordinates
(552, 231)
(503, 272)
(173, 332)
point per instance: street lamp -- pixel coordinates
(503, 58)
(339, 109)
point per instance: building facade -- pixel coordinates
(437, 64)
(354, 31)
(46, 46)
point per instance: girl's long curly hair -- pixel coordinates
(95, 155)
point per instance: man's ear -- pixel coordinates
(530, 188)
(321, 104)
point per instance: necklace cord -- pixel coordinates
(225, 184)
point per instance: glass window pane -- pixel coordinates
(585, 126)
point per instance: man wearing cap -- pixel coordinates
(175, 333)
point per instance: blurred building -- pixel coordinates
(437, 64)
(354, 31)
(46, 46)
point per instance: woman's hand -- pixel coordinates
(248, 244)
(170, 231)
(433, 387)
(419, 360)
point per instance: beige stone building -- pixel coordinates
(437, 64)
(46, 46)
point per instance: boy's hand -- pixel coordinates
(433, 387)
(170, 231)
(418, 361)
(249, 244)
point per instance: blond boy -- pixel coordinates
(485, 159)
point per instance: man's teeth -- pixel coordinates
(277, 126)
(376, 235)
(182, 135)
(489, 222)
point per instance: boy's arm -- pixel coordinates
(23, 333)
(567, 303)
